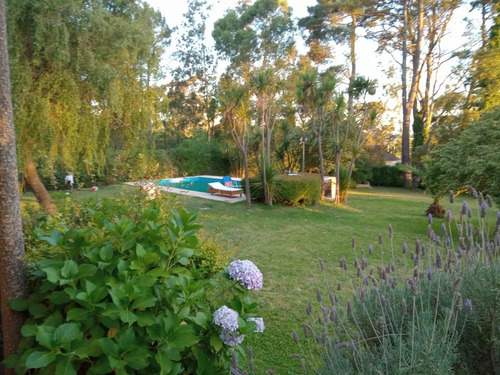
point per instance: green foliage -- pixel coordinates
(363, 171)
(200, 155)
(471, 159)
(126, 296)
(300, 190)
(273, 186)
(385, 175)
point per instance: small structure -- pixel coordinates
(391, 159)
(329, 187)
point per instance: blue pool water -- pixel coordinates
(196, 183)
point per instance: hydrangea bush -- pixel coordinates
(128, 296)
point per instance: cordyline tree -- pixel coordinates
(12, 278)
(81, 78)
(258, 42)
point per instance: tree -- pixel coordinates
(13, 282)
(81, 78)
(472, 159)
(315, 96)
(235, 109)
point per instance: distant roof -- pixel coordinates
(391, 157)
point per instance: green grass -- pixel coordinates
(285, 243)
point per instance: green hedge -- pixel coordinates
(300, 190)
(385, 175)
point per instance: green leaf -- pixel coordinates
(20, 304)
(69, 270)
(216, 342)
(126, 340)
(59, 297)
(200, 319)
(164, 362)
(183, 336)
(29, 330)
(44, 336)
(53, 274)
(39, 359)
(67, 333)
(140, 251)
(138, 359)
(145, 318)
(143, 302)
(101, 367)
(108, 347)
(184, 252)
(128, 317)
(106, 253)
(77, 314)
(86, 270)
(66, 367)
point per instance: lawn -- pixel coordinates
(286, 242)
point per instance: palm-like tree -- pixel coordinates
(235, 110)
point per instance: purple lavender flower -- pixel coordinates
(260, 324)
(469, 212)
(464, 208)
(429, 273)
(246, 273)
(226, 318)
(448, 216)
(468, 306)
(353, 346)
(483, 210)
(405, 247)
(231, 338)
(295, 337)
(460, 252)
(380, 239)
(370, 247)
(452, 196)
(430, 219)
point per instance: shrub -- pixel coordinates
(300, 190)
(129, 296)
(273, 184)
(385, 175)
(430, 310)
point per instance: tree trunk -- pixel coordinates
(36, 185)
(247, 181)
(12, 278)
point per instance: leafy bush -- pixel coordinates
(128, 296)
(385, 175)
(299, 190)
(199, 155)
(471, 159)
(273, 184)
(414, 314)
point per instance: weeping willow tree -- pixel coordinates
(81, 82)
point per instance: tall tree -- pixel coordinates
(12, 278)
(193, 73)
(81, 80)
(257, 41)
(235, 110)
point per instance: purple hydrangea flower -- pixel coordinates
(246, 273)
(231, 338)
(226, 318)
(260, 324)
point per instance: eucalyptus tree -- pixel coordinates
(13, 282)
(81, 75)
(235, 110)
(338, 21)
(194, 70)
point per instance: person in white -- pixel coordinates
(69, 179)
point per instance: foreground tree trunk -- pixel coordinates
(12, 276)
(36, 185)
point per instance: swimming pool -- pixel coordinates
(195, 183)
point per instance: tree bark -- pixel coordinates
(36, 185)
(12, 278)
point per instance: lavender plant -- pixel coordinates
(419, 312)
